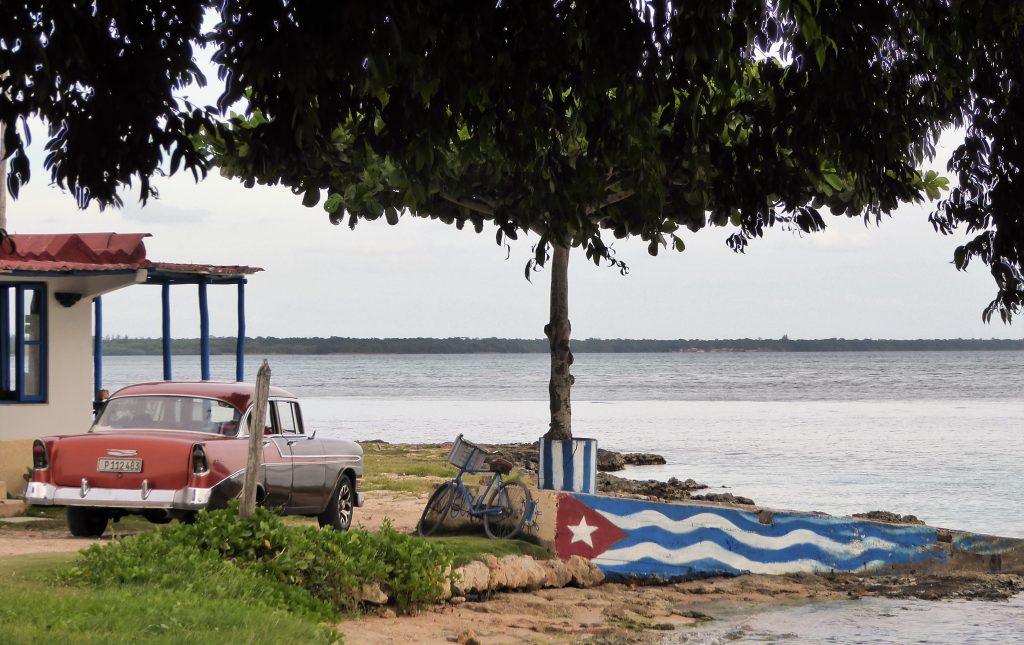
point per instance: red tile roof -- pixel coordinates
(95, 252)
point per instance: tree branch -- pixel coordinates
(471, 205)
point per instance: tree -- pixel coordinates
(575, 122)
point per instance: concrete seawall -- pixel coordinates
(639, 539)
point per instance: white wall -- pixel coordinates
(68, 409)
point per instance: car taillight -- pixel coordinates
(199, 464)
(39, 458)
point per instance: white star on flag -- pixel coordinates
(582, 532)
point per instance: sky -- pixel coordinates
(425, 278)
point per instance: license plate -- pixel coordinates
(119, 465)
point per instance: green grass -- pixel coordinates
(405, 459)
(417, 486)
(34, 608)
(466, 548)
(405, 468)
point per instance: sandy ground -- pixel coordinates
(611, 613)
(403, 510)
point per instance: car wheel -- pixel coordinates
(338, 514)
(87, 522)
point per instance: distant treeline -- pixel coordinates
(120, 346)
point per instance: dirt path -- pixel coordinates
(25, 542)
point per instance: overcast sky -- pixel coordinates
(423, 278)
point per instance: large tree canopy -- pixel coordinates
(566, 119)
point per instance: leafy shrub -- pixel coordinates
(262, 560)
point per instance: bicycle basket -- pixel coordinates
(467, 455)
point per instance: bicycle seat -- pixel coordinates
(500, 465)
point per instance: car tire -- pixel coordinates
(87, 522)
(338, 514)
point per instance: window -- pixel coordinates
(286, 417)
(192, 414)
(22, 343)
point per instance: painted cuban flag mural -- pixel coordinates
(631, 538)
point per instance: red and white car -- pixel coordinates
(168, 449)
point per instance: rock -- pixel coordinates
(467, 637)
(525, 457)
(456, 600)
(446, 590)
(372, 594)
(725, 498)
(386, 612)
(584, 572)
(888, 516)
(556, 574)
(473, 577)
(514, 572)
(534, 572)
(609, 461)
(643, 459)
(672, 490)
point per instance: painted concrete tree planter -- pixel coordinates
(567, 465)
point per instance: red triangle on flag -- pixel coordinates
(580, 530)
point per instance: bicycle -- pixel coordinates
(508, 503)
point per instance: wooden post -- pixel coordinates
(257, 421)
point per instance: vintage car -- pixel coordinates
(168, 449)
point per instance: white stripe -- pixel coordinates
(577, 465)
(557, 476)
(645, 519)
(710, 550)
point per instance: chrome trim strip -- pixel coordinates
(185, 499)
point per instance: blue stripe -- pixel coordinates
(97, 347)
(5, 338)
(567, 465)
(840, 562)
(649, 568)
(836, 528)
(588, 459)
(549, 477)
(204, 333)
(240, 343)
(165, 328)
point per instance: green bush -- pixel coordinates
(262, 560)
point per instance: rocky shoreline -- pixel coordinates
(524, 457)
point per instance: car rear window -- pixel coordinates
(194, 414)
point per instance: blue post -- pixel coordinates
(5, 338)
(166, 300)
(240, 345)
(97, 345)
(19, 341)
(204, 333)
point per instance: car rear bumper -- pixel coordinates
(183, 499)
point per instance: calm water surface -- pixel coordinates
(936, 434)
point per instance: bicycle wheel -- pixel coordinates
(513, 498)
(437, 509)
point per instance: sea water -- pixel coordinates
(936, 434)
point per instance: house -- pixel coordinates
(51, 328)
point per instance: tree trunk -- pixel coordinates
(257, 421)
(558, 332)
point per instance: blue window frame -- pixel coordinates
(23, 342)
